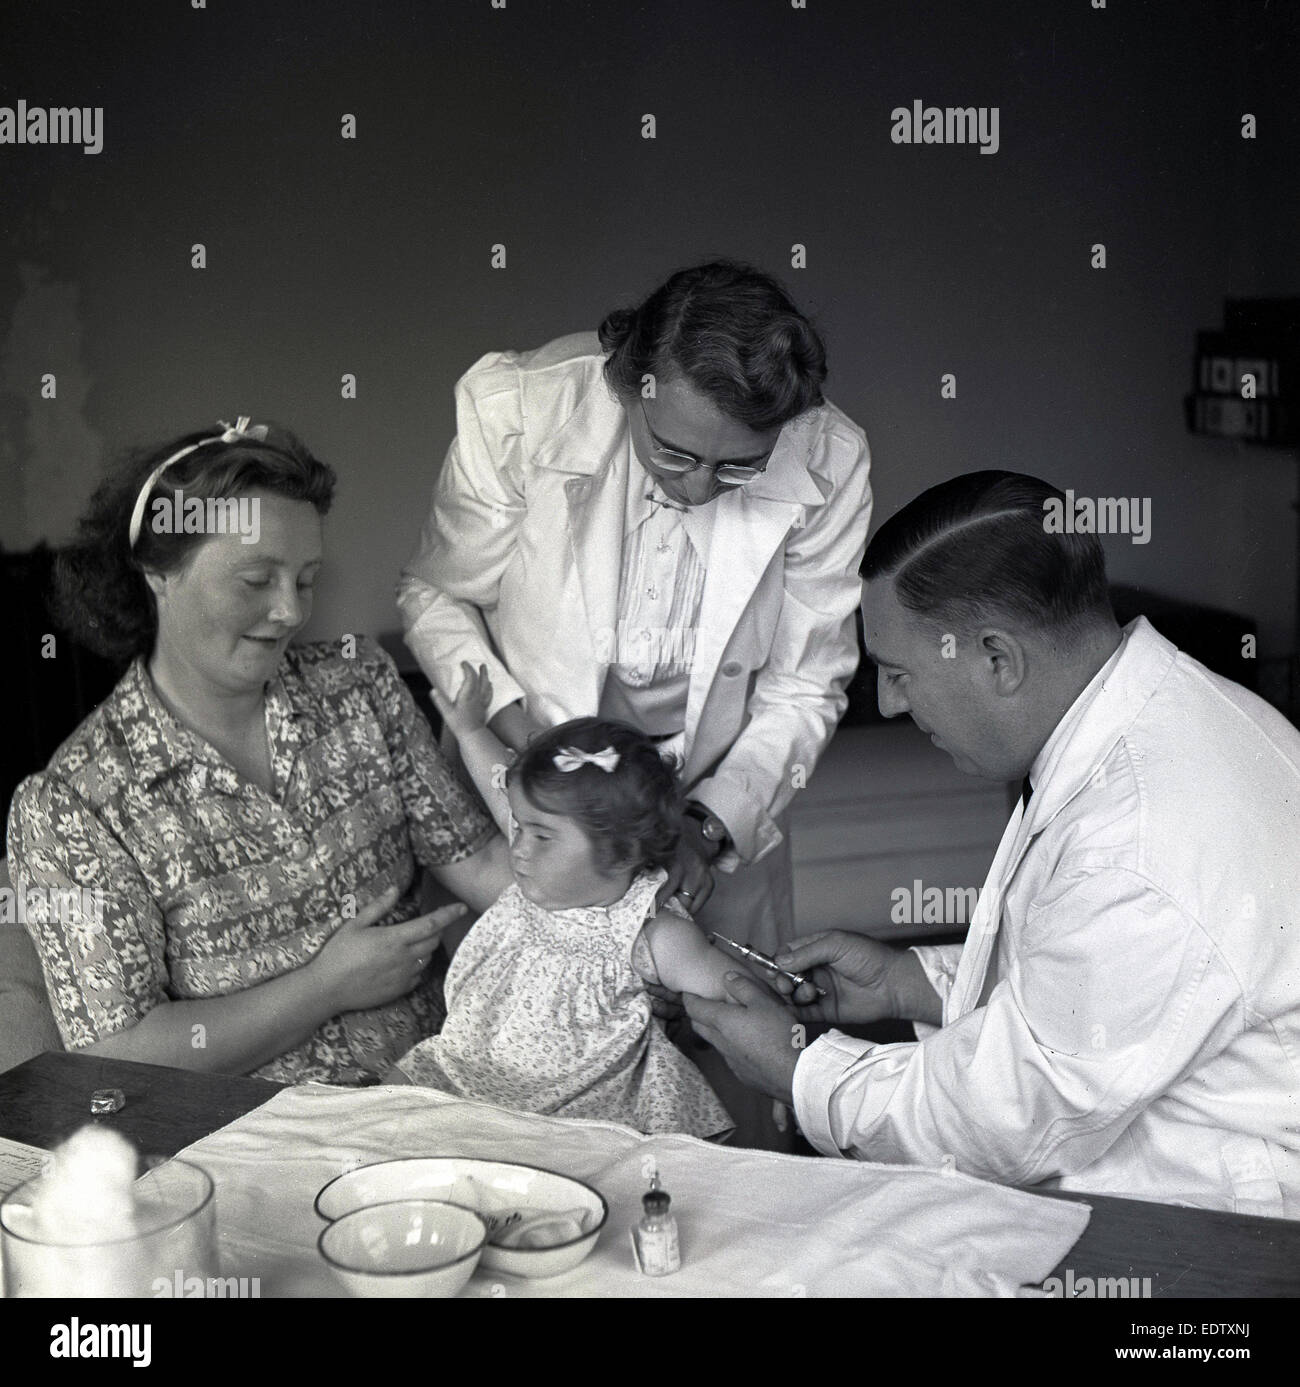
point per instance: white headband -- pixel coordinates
(238, 432)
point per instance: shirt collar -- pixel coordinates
(159, 745)
(641, 486)
(165, 747)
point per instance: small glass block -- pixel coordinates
(107, 1100)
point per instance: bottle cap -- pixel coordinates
(655, 1202)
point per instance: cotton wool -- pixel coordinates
(88, 1193)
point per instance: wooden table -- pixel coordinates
(46, 1099)
(1184, 1252)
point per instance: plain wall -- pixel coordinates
(523, 126)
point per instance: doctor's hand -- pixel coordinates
(667, 1006)
(760, 1039)
(690, 875)
(864, 980)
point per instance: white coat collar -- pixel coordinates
(1098, 718)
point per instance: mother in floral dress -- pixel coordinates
(242, 820)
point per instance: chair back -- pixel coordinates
(27, 1026)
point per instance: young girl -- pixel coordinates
(547, 1008)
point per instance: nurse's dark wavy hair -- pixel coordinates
(731, 331)
(976, 548)
(100, 595)
(632, 814)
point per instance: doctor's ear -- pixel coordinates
(1006, 660)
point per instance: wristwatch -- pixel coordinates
(714, 830)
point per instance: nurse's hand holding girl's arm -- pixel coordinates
(759, 1036)
(690, 874)
(514, 726)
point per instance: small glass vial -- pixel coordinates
(654, 1239)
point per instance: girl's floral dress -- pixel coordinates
(547, 1012)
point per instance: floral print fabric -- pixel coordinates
(210, 885)
(547, 1012)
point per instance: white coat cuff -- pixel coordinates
(414, 598)
(748, 824)
(939, 963)
(816, 1076)
(429, 642)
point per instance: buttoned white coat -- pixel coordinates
(520, 558)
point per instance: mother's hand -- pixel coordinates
(365, 965)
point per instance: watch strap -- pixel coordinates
(712, 826)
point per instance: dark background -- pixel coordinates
(523, 126)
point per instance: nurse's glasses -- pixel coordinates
(733, 473)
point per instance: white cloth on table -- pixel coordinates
(752, 1223)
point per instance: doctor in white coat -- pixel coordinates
(1124, 1016)
(663, 526)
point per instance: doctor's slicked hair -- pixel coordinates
(732, 332)
(975, 549)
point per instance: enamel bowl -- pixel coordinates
(407, 1247)
(556, 1219)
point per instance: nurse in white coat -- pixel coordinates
(661, 525)
(1124, 1016)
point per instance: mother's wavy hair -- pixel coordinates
(100, 594)
(732, 332)
(632, 814)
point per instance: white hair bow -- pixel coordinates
(572, 758)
